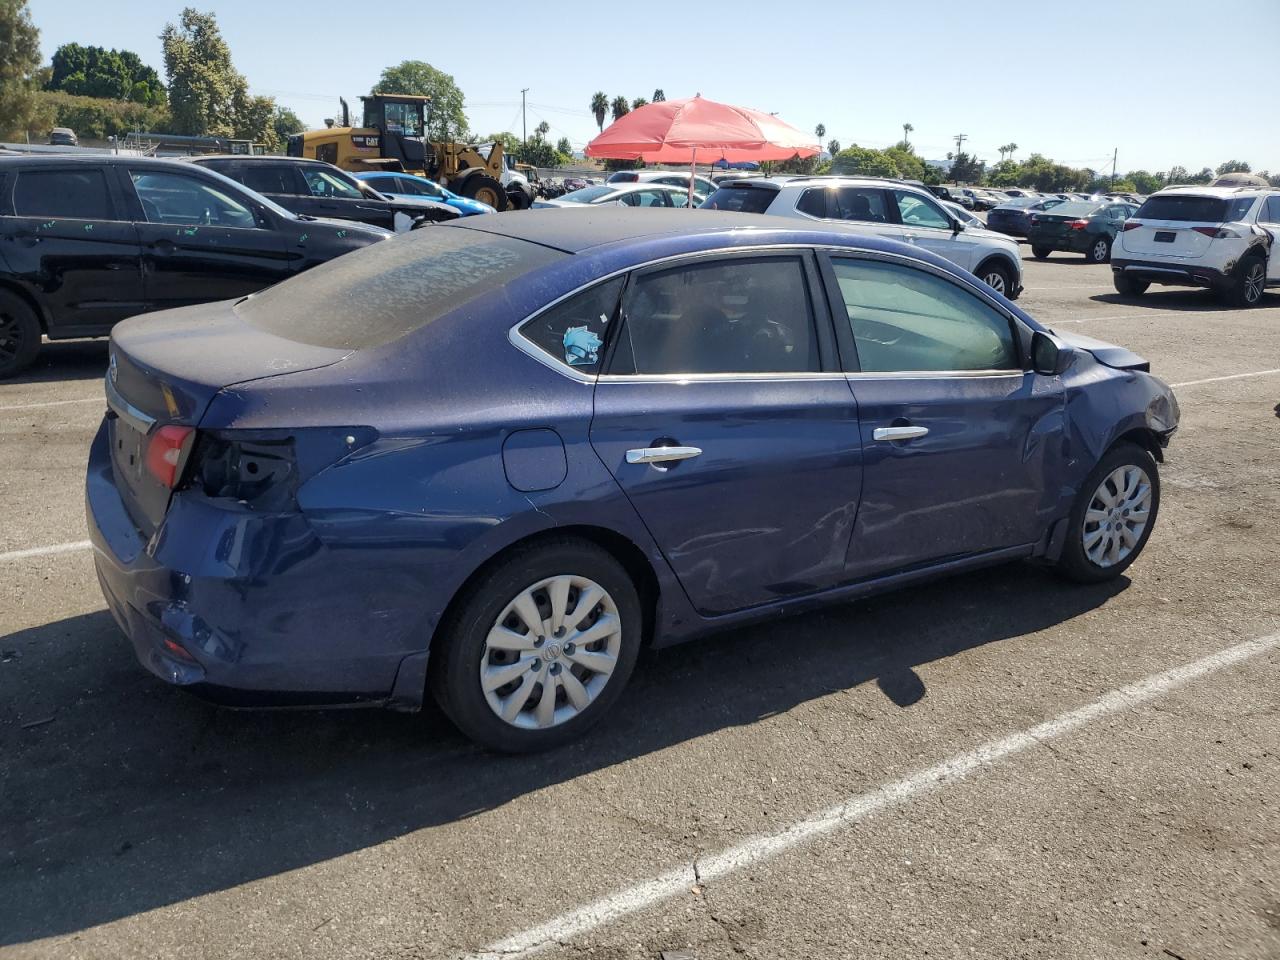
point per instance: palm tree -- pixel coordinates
(620, 107)
(659, 96)
(906, 132)
(833, 147)
(599, 107)
(542, 130)
(638, 102)
(821, 131)
(1008, 149)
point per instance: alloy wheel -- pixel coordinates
(1254, 282)
(995, 281)
(1100, 251)
(550, 652)
(10, 338)
(1117, 515)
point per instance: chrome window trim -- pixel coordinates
(531, 349)
(934, 374)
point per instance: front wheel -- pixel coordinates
(482, 187)
(997, 277)
(540, 647)
(1099, 250)
(1113, 516)
(19, 335)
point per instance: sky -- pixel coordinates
(1163, 83)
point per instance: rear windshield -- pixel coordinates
(741, 199)
(587, 194)
(1192, 209)
(379, 293)
(1020, 202)
(1076, 208)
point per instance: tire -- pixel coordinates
(997, 277)
(461, 650)
(518, 201)
(1128, 287)
(1041, 253)
(1247, 286)
(1099, 250)
(1109, 530)
(482, 187)
(19, 335)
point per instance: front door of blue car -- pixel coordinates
(725, 419)
(961, 445)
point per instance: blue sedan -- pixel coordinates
(493, 459)
(405, 185)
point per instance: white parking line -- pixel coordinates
(678, 880)
(53, 403)
(45, 551)
(1234, 376)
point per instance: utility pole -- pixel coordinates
(1114, 156)
(960, 139)
(524, 121)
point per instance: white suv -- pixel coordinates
(1223, 238)
(670, 178)
(882, 208)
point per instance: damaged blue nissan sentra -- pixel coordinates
(492, 459)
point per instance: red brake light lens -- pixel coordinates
(1217, 233)
(1131, 225)
(1078, 224)
(167, 449)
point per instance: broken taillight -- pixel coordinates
(167, 450)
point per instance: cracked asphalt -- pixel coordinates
(136, 822)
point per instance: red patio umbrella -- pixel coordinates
(679, 131)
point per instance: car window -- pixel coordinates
(1184, 208)
(269, 178)
(813, 202)
(861, 203)
(916, 211)
(646, 198)
(419, 188)
(323, 183)
(1240, 208)
(905, 319)
(1271, 212)
(178, 199)
(744, 315)
(573, 331)
(741, 199)
(75, 194)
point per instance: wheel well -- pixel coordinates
(29, 301)
(1144, 438)
(619, 547)
(999, 260)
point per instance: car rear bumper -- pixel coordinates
(1172, 273)
(242, 608)
(1076, 241)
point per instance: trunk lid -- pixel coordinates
(164, 370)
(1164, 238)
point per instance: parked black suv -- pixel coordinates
(320, 189)
(86, 241)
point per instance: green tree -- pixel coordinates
(1233, 166)
(620, 107)
(865, 162)
(446, 119)
(254, 118)
(21, 109)
(965, 167)
(906, 134)
(599, 108)
(1007, 151)
(833, 147)
(1177, 175)
(563, 146)
(910, 166)
(639, 102)
(659, 96)
(286, 123)
(96, 72)
(1144, 182)
(1204, 176)
(204, 87)
(542, 129)
(821, 131)
(510, 142)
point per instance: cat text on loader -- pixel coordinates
(394, 138)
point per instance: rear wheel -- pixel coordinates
(997, 277)
(1113, 515)
(1250, 280)
(19, 335)
(541, 647)
(1041, 253)
(482, 187)
(1127, 286)
(1099, 250)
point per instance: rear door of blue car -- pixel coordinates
(961, 445)
(725, 418)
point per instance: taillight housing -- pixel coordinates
(1217, 233)
(1131, 225)
(167, 450)
(1078, 224)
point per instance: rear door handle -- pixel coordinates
(898, 433)
(661, 454)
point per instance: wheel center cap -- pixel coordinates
(551, 652)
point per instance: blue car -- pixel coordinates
(407, 186)
(493, 459)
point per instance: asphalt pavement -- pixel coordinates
(998, 765)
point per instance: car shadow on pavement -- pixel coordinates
(1168, 298)
(119, 795)
(66, 360)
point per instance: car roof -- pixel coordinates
(13, 159)
(254, 157)
(1223, 192)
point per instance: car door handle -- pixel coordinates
(661, 454)
(898, 433)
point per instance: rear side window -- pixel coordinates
(741, 199)
(904, 319)
(1271, 212)
(380, 293)
(1183, 208)
(1239, 209)
(813, 202)
(573, 331)
(861, 203)
(269, 178)
(745, 315)
(73, 194)
(323, 183)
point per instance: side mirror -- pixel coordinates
(1049, 355)
(956, 227)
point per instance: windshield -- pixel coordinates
(380, 293)
(1020, 202)
(588, 194)
(1185, 208)
(327, 183)
(741, 199)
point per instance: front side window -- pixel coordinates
(861, 203)
(74, 194)
(323, 183)
(916, 211)
(1271, 212)
(573, 331)
(417, 188)
(905, 319)
(744, 315)
(175, 198)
